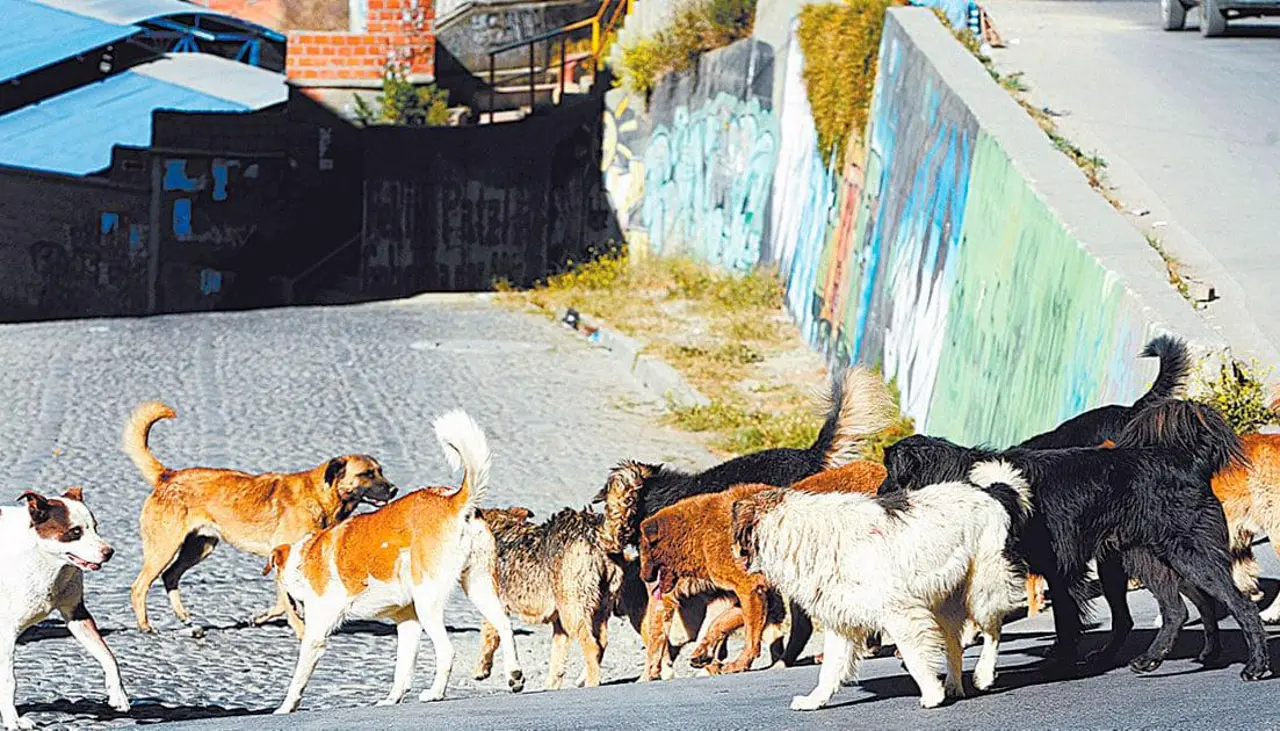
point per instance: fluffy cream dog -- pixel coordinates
(914, 566)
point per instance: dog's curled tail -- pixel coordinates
(137, 433)
(859, 406)
(1191, 431)
(465, 446)
(1006, 484)
(1175, 365)
(621, 496)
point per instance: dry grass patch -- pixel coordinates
(728, 334)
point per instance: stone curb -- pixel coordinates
(657, 376)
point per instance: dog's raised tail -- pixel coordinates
(1194, 433)
(1175, 365)
(137, 434)
(859, 406)
(1006, 484)
(465, 446)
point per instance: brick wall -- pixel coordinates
(400, 32)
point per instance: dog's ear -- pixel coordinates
(76, 493)
(333, 472)
(37, 505)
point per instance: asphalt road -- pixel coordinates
(1180, 695)
(369, 378)
(1189, 127)
(287, 389)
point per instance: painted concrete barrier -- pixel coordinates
(957, 248)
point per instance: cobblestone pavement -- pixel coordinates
(285, 390)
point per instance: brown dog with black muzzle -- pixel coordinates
(190, 510)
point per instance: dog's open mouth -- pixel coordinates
(83, 564)
(663, 585)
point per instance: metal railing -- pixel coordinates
(289, 285)
(602, 23)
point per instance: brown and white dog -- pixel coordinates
(190, 510)
(45, 548)
(401, 563)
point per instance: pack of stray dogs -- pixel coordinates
(931, 550)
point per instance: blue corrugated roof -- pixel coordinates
(33, 35)
(74, 132)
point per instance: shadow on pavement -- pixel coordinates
(142, 712)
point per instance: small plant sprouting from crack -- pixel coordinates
(1013, 82)
(1091, 165)
(1172, 265)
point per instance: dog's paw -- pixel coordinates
(932, 699)
(1255, 671)
(285, 709)
(119, 703)
(807, 703)
(984, 680)
(515, 680)
(1145, 664)
(482, 673)
(388, 702)
(430, 694)
(22, 723)
(700, 660)
(954, 690)
(668, 673)
(1272, 613)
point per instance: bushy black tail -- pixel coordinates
(1194, 432)
(1175, 364)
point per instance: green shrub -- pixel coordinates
(1240, 394)
(841, 43)
(404, 103)
(698, 26)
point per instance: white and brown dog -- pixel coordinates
(44, 551)
(401, 563)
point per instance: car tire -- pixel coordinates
(1213, 22)
(1173, 15)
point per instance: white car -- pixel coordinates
(1214, 13)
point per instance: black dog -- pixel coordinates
(1144, 507)
(858, 407)
(1104, 423)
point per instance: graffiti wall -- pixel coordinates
(929, 255)
(71, 247)
(921, 248)
(693, 172)
(457, 208)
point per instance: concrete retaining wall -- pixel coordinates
(957, 248)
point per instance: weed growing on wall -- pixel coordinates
(841, 43)
(698, 26)
(1240, 394)
(404, 103)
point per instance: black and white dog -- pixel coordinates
(1143, 508)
